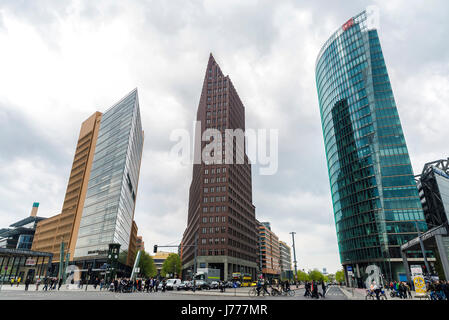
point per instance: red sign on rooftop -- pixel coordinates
(348, 24)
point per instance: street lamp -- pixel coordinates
(294, 255)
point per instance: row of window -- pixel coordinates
(216, 219)
(213, 230)
(213, 180)
(214, 209)
(217, 170)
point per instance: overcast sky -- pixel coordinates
(60, 61)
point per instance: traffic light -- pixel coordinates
(155, 248)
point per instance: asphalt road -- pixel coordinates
(333, 293)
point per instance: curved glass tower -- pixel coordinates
(374, 195)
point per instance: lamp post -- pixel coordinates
(294, 255)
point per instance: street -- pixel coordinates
(18, 293)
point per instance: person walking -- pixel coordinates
(59, 284)
(258, 287)
(38, 282)
(45, 288)
(27, 283)
(12, 282)
(323, 287)
(18, 280)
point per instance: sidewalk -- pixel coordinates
(360, 294)
(32, 287)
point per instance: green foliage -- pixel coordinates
(302, 276)
(171, 265)
(316, 275)
(340, 276)
(123, 255)
(147, 266)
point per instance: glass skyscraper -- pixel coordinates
(108, 211)
(374, 195)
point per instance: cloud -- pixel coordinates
(63, 60)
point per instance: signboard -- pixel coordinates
(420, 285)
(416, 270)
(30, 262)
(349, 269)
(348, 24)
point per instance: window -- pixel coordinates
(223, 219)
(206, 180)
(203, 241)
(211, 230)
(205, 209)
(218, 170)
(204, 219)
(217, 219)
(217, 241)
(206, 171)
(211, 241)
(203, 230)
(211, 219)
(205, 199)
(206, 190)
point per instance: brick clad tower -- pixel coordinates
(221, 216)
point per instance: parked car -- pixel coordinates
(201, 285)
(185, 285)
(214, 285)
(172, 284)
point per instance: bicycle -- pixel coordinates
(253, 292)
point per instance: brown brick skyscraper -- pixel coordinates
(221, 215)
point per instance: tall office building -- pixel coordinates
(285, 259)
(221, 216)
(374, 195)
(270, 253)
(100, 199)
(108, 211)
(64, 227)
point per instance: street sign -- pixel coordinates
(416, 270)
(420, 285)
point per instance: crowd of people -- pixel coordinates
(438, 290)
(312, 289)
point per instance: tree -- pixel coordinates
(340, 276)
(171, 265)
(122, 257)
(146, 265)
(316, 275)
(302, 276)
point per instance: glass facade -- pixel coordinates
(110, 199)
(374, 194)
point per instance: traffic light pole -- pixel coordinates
(185, 245)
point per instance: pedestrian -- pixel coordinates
(258, 286)
(323, 286)
(315, 290)
(38, 282)
(27, 283)
(307, 288)
(59, 284)
(45, 288)
(18, 280)
(12, 282)
(101, 284)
